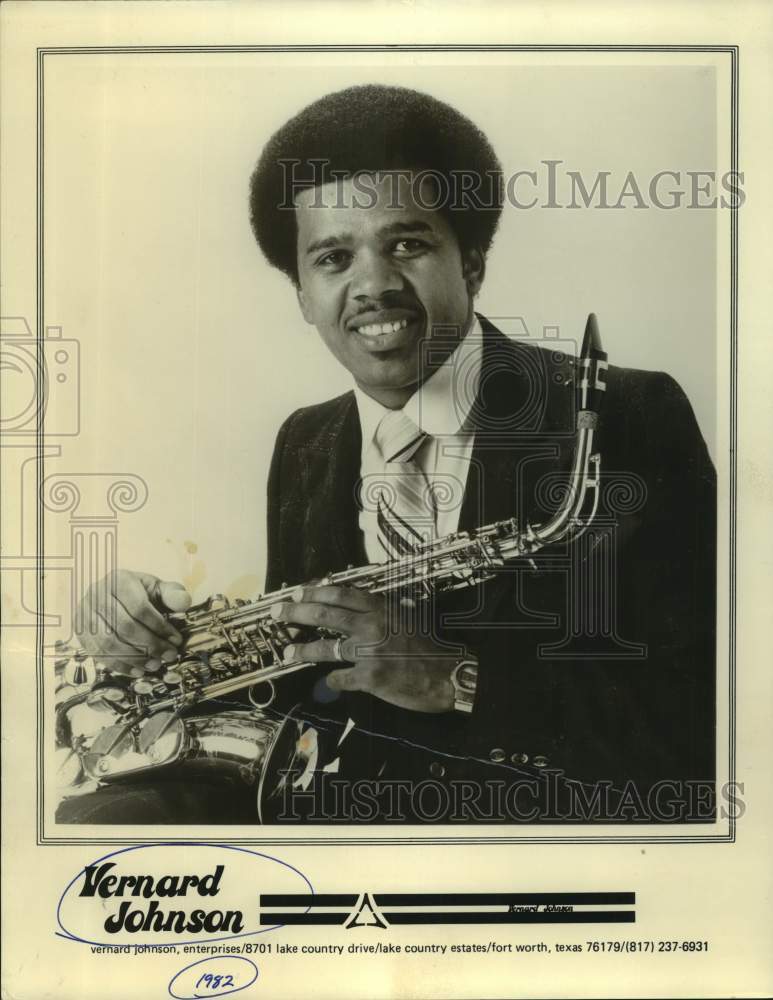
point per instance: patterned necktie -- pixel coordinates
(406, 510)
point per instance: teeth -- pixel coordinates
(379, 329)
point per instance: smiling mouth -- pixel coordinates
(381, 329)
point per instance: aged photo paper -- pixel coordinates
(386, 558)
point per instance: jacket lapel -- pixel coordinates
(523, 421)
(330, 466)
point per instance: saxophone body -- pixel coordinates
(113, 728)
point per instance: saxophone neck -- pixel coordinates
(584, 478)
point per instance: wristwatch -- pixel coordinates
(464, 678)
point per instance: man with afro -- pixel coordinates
(380, 205)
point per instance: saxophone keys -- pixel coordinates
(143, 686)
(221, 663)
(112, 695)
(79, 673)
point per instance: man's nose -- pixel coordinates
(374, 275)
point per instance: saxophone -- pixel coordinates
(236, 646)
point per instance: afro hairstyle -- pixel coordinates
(369, 129)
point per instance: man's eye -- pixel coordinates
(410, 247)
(335, 260)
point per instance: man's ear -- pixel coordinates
(473, 269)
(304, 304)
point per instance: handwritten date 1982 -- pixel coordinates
(214, 982)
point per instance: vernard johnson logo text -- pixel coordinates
(140, 916)
(171, 895)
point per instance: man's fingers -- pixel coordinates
(117, 619)
(172, 595)
(341, 597)
(324, 651)
(352, 679)
(175, 596)
(319, 615)
(320, 651)
(134, 633)
(104, 645)
(135, 591)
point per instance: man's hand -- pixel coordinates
(121, 622)
(409, 671)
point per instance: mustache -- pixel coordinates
(384, 304)
(387, 310)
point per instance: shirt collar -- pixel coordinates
(442, 404)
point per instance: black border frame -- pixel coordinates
(325, 838)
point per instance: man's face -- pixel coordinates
(377, 279)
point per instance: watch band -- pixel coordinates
(464, 678)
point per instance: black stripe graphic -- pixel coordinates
(455, 899)
(405, 917)
(304, 909)
(519, 917)
(502, 898)
(309, 899)
(306, 919)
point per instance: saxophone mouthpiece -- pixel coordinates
(592, 366)
(591, 341)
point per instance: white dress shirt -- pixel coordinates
(439, 407)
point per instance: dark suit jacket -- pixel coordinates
(599, 663)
